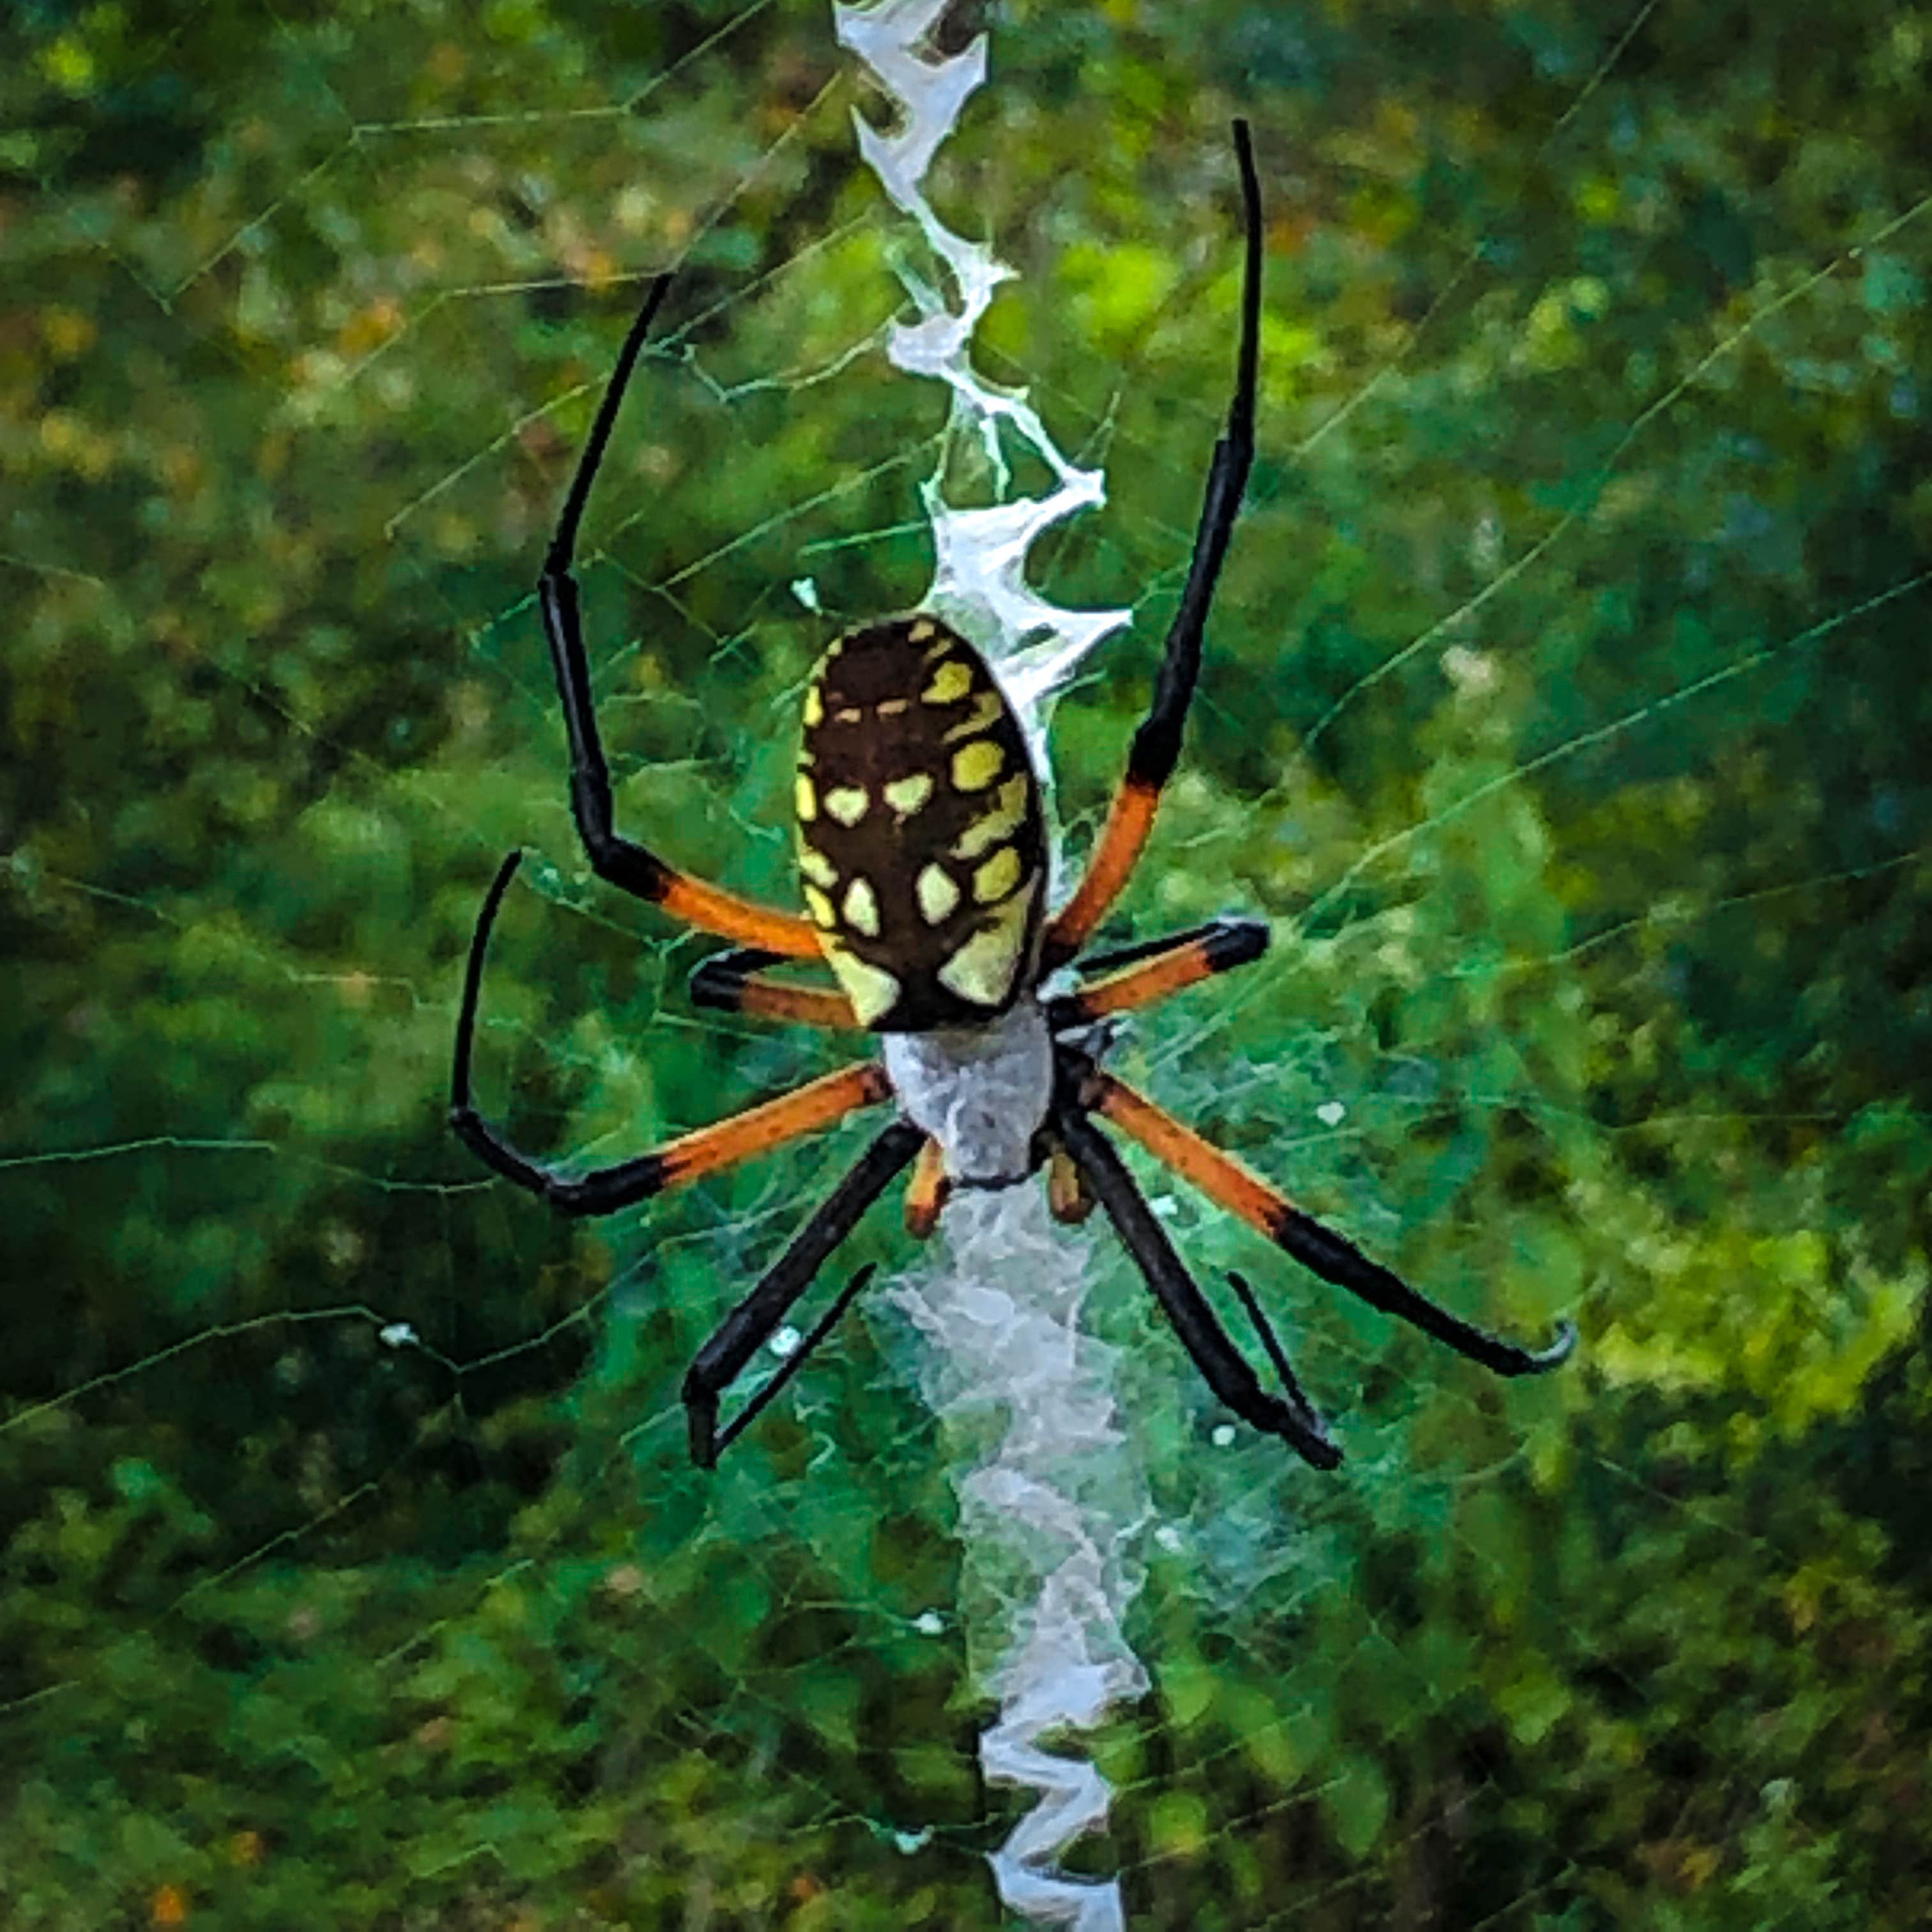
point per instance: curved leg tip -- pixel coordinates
(1558, 1352)
(1317, 1449)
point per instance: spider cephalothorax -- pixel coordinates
(922, 848)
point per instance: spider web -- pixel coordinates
(1564, 712)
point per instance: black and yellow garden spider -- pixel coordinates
(923, 849)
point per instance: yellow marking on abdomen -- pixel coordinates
(998, 877)
(861, 908)
(983, 970)
(804, 798)
(905, 796)
(986, 713)
(1002, 822)
(817, 867)
(976, 765)
(847, 804)
(814, 705)
(938, 893)
(950, 682)
(819, 908)
(873, 992)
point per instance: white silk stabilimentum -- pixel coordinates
(1050, 1499)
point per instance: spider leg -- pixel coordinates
(737, 1338)
(731, 982)
(1069, 1199)
(927, 1192)
(1137, 975)
(1223, 1366)
(1157, 745)
(1265, 1329)
(1331, 1256)
(622, 862)
(756, 1130)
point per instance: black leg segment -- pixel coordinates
(1224, 1370)
(602, 1191)
(1336, 1259)
(739, 1336)
(1157, 745)
(1230, 939)
(718, 982)
(621, 861)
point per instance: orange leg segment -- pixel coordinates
(1129, 822)
(1068, 1198)
(1220, 1176)
(711, 909)
(823, 1006)
(757, 1130)
(1162, 968)
(761, 1128)
(926, 1192)
(732, 983)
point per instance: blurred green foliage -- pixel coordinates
(1566, 709)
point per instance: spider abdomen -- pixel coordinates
(919, 829)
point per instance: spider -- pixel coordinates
(922, 848)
